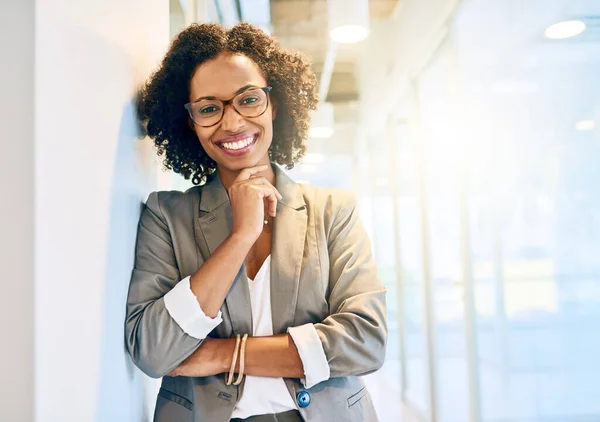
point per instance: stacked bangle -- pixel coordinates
(242, 360)
(229, 379)
(240, 347)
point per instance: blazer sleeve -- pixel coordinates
(354, 335)
(154, 340)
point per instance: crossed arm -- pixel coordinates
(353, 336)
(273, 356)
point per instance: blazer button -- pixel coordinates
(303, 399)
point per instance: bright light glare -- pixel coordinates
(321, 132)
(382, 182)
(313, 158)
(585, 125)
(566, 29)
(348, 34)
(309, 168)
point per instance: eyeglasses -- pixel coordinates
(208, 111)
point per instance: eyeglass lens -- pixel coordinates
(250, 103)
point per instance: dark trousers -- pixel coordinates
(289, 416)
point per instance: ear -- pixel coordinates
(274, 108)
(191, 124)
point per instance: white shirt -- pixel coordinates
(262, 395)
(254, 401)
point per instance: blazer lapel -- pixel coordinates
(287, 249)
(215, 222)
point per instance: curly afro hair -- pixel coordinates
(161, 100)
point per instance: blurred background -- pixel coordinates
(470, 131)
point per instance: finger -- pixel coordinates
(269, 195)
(272, 204)
(246, 173)
(264, 182)
(273, 208)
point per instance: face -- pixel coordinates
(222, 78)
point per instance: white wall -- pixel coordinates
(91, 176)
(16, 210)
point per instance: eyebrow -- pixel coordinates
(212, 97)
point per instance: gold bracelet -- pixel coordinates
(229, 379)
(242, 360)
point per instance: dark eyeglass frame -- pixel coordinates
(266, 89)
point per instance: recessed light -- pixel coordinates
(585, 125)
(566, 29)
(349, 34)
(348, 20)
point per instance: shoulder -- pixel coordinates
(331, 204)
(169, 202)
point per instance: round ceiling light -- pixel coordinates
(563, 30)
(349, 34)
(585, 125)
(348, 20)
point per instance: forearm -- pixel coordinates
(211, 283)
(274, 356)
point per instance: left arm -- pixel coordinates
(273, 356)
(354, 335)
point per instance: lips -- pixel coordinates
(238, 144)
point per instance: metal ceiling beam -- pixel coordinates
(238, 8)
(327, 71)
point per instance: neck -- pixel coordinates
(228, 176)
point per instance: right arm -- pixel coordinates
(155, 340)
(248, 195)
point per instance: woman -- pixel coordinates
(249, 252)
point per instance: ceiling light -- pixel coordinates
(349, 34)
(585, 125)
(566, 29)
(348, 20)
(321, 125)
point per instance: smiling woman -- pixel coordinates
(232, 61)
(244, 135)
(254, 297)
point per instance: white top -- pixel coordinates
(262, 395)
(254, 401)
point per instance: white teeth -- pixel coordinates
(239, 144)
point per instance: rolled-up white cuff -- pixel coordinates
(183, 306)
(312, 354)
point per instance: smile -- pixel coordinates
(238, 145)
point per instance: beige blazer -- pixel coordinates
(322, 272)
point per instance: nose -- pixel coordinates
(232, 121)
